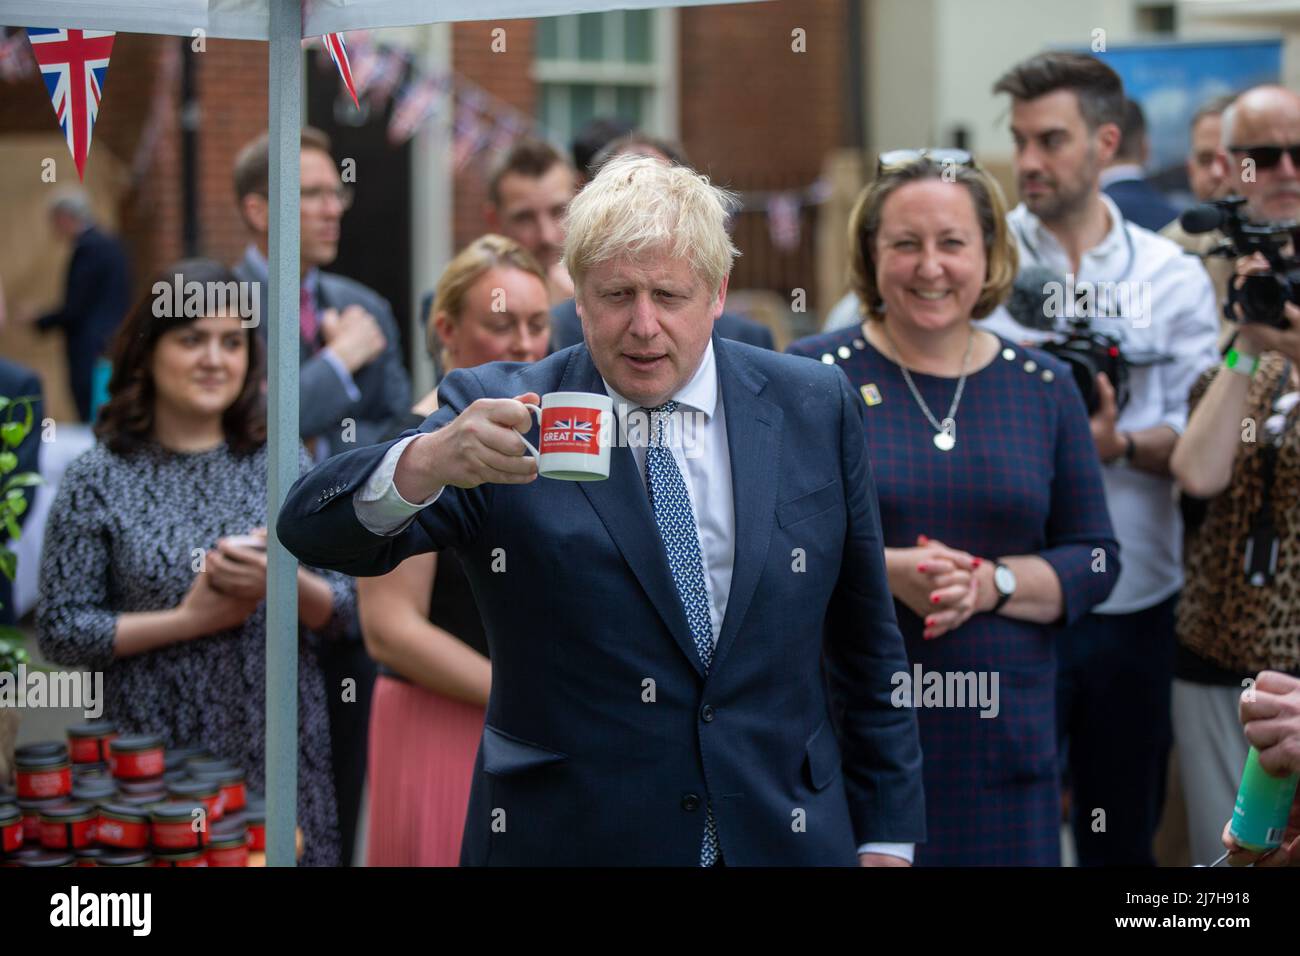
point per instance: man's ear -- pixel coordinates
(256, 212)
(1108, 137)
(722, 297)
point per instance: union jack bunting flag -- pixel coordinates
(339, 54)
(74, 64)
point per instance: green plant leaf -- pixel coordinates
(28, 479)
(8, 462)
(11, 525)
(8, 563)
(13, 433)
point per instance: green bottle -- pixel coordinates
(1263, 805)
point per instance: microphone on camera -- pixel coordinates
(1030, 302)
(1199, 219)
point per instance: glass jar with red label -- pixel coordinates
(88, 742)
(69, 826)
(31, 811)
(179, 826)
(206, 791)
(123, 826)
(11, 828)
(43, 774)
(136, 757)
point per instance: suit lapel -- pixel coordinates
(753, 439)
(623, 506)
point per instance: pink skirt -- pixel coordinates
(422, 750)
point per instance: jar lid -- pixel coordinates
(176, 756)
(124, 811)
(227, 829)
(92, 789)
(228, 842)
(95, 853)
(37, 804)
(46, 858)
(136, 743)
(223, 778)
(168, 856)
(175, 812)
(68, 812)
(193, 789)
(9, 813)
(143, 785)
(41, 761)
(145, 800)
(45, 748)
(81, 771)
(207, 764)
(93, 728)
(124, 858)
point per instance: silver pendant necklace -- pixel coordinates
(945, 438)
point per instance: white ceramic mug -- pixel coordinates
(576, 429)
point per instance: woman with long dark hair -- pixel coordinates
(143, 573)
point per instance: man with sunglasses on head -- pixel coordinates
(1116, 665)
(351, 384)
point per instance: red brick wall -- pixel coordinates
(232, 87)
(507, 76)
(755, 115)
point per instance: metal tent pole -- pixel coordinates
(285, 112)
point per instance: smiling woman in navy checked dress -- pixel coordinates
(991, 501)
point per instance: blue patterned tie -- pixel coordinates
(676, 523)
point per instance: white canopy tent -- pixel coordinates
(284, 24)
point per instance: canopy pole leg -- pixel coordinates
(285, 115)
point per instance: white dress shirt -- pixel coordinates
(697, 437)
(1174, 288)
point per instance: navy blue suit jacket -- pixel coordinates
(604, 737)
(97, 292)
(1142, 203)
(566, 328)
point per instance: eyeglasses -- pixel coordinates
(318, 195)
(899, 158)
(1266, 157)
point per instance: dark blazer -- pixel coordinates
(566, 328)
(577, 765)
(17, 381)
(323, 401)
(1142, 203)
(96, 297)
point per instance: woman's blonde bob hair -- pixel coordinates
(990, 210)
(637, 204)
(485, 253)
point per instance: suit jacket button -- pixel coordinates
(690, 802)
(706, 713)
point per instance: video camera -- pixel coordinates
(1262, 296)
(1036, 303)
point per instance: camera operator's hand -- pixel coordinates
(1110, 443)
(1255, 338)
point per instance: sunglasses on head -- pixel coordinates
(899, 158)
(1266, 157)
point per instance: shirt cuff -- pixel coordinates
(904, 851)
(336, 363)
(379, 506)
